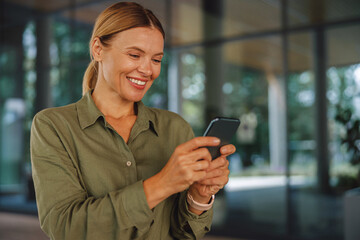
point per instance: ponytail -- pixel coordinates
(90, 77)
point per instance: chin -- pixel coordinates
(131, 95)
(135, 98)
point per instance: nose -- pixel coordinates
(145, 68)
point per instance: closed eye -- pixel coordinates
(157, 60)
(134, 55)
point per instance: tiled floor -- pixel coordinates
(26, 227)
(255, 210)
(20, 227)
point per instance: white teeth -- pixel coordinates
(141, 83)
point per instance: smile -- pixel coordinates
(138, 82)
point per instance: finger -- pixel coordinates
(198, 154)
(199, 176)
(216, 177)
(219, 181)
(227, 149)
(199, 142)
(199, 190)
(215, 188)
(200, 165)
(220, 162)
(216, 173)
(189, 176)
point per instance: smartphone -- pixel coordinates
(224, 129)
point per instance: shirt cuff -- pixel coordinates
(136, 208)
(200, 224)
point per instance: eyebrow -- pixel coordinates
(140, 50)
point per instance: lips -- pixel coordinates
(137, 83)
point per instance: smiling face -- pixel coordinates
(130, 64)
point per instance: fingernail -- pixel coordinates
(225, 150)
(216, 140)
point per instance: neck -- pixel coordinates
(111, 105)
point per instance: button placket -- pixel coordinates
(129, 163)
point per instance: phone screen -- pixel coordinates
(224, 129)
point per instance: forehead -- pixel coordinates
(146, 38)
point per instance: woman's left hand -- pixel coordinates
(216, 178)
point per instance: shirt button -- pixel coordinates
(128, 163)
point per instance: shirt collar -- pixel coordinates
(88, 114)
(87, 111)
(145, 117)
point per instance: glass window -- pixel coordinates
(12, 104)
(192, 76)
(302, 135)
(343, 93)
(301, 108)
(69, 53)
(12, 111)
(256, 190)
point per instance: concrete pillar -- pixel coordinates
(322, 153)
(214, 100)
(317, 16)
(213, 59)
(174, 84)
(277, 122)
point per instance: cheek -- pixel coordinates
(108, 69)
(125, 67)
(156, 72)
(114, 71)
(115, 65)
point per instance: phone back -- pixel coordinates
(224, 129)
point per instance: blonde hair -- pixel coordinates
(117, 18)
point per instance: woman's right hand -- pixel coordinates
(187, 164)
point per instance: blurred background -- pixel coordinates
(289, 69)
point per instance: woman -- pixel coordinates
(107, 167)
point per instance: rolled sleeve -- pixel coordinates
(187, 225)
(135, 206)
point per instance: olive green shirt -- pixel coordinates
(89, 182)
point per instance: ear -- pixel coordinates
(97, 48)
